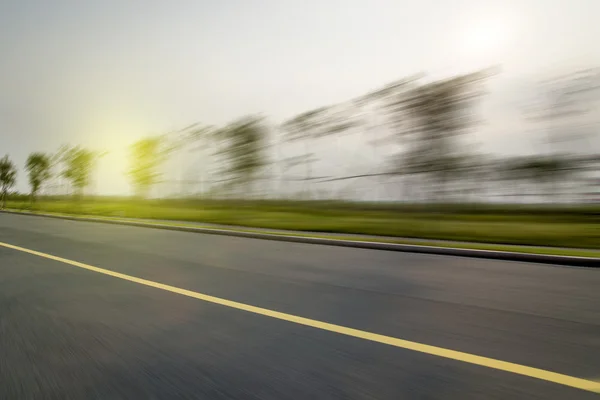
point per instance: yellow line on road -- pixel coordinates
(531, 372)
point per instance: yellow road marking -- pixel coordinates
(531, 372)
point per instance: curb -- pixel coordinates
(589, 262)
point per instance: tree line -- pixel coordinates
(426, 123)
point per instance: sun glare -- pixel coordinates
(485, 36)
(486, 39)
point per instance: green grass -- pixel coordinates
(576, 227)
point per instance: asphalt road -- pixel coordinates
(66, 332)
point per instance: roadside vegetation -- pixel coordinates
(444, 183)
(577, 227)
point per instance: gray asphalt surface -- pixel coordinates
(71, 333)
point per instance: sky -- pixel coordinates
(104, 73)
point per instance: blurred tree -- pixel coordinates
(561, 105)
(38, 166)
(243, 144)
(312, 125)
(516, 172)
(78, 164)
(305, 128)
(147, 156)
(427, 120)
(194, 138)
(57, 178)
(472, 172)
(548, 175)
(552, 172)
(201, 140)
(8, 177)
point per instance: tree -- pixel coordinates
(561, 104)
(427, 120)
(243, 145)
(305, 127)
(551, 172)
(147, 155)
(197, 138)
(78, 165)
(516, 172)
(8, 177)
(38, 166)
(310, 126)
(549, 175)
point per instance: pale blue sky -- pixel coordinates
(103, 73)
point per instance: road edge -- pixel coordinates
(588, 262)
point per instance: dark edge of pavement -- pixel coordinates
(589, 262)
